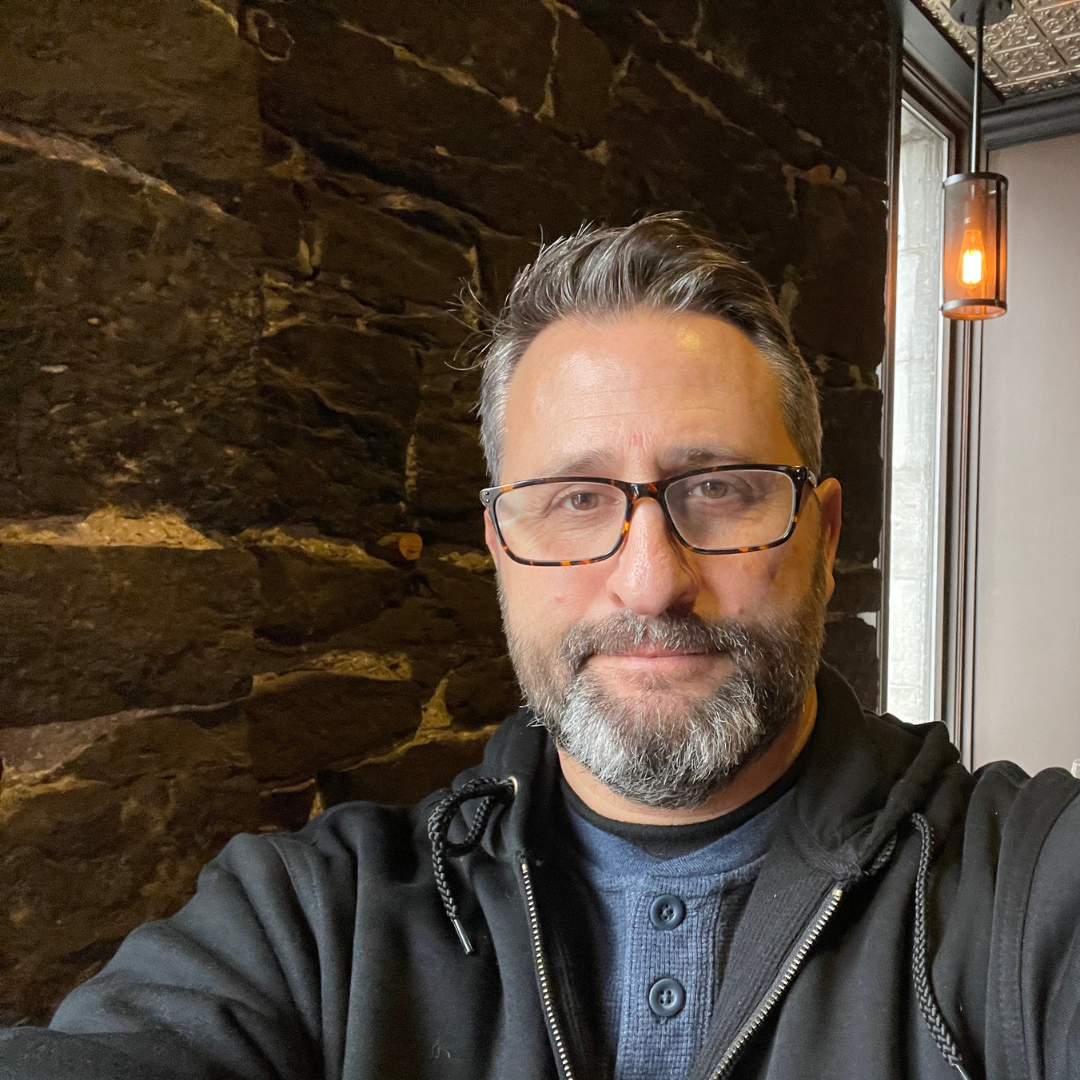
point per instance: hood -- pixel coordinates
(865, 776)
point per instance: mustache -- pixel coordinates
(625, 631)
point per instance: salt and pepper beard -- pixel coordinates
(642, 744)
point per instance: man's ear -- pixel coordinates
(830, 501)
(491, 538)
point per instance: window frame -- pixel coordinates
(938, 102)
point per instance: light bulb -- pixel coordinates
(972, 259)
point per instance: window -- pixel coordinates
(918, 401)
(932, 381)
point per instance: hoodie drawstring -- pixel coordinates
(492, 791)
(928, 1005)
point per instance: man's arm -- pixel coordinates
(230, 987)
(1050, 954)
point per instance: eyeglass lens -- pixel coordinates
(570, 521)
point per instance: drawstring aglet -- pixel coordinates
(490, 792)
(466, 944)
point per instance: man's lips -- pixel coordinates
(653, 652)
(640, 668)
(650, 656)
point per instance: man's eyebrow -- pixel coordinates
(592, 463)
(688, 456)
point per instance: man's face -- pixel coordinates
(639, 649)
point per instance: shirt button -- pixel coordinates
(667, 997)
(667, 912)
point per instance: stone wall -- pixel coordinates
(241, 562)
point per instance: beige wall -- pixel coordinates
(1027, 634)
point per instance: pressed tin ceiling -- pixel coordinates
(1036, 48)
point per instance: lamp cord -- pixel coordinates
(976, 110)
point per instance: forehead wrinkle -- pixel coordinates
(637, 430)
(590, 462)
(638, 417)
(604, 398)
(671, 460)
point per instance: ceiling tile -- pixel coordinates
(1035, 48)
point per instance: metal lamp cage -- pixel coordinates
(973, 282)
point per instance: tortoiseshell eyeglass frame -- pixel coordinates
(799, 475)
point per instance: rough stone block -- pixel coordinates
(138, 312)
(506, 49)
(580, 83)
(181, 107)
(305, 598)
(841, 269)
(305, 463)
(103, 825)
(350, 96)
(451, 387)
(721, 92)
(858, 589)
(406, 775)
(676, 18)
(451, 617)
(501, 257)
(435, 329)
(804, 59)
(851, 421)
(383, 259)
(690, 158)
(303, 722)
(468, 592)
(450, 473)
(271, 204)
(91, 631)
(835, 373)
(370, 382)
(419, 624)
(851, 647)
(482, 692)
(288, 808)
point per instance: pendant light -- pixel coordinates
(976, 203)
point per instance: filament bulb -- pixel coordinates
(972, 259)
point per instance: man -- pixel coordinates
(693, 855)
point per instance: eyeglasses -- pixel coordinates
(576, 520)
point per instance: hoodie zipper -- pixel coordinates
(776, 991)
(542, 974)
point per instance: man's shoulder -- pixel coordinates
(1018, 811)
(1001, 816)
(998, 798)
(349, 840)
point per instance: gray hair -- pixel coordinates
(660, 263)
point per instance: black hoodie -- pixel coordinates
(330, 953)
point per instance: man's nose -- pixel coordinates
(652, 571)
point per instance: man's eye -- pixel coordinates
(582, 500)
(712, 489)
